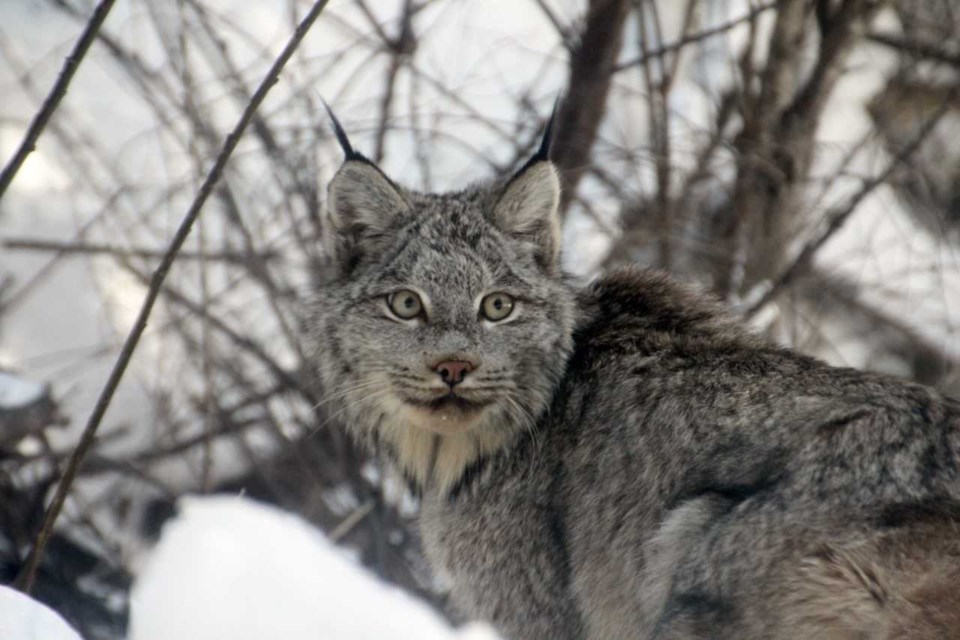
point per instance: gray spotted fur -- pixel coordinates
(648, 468)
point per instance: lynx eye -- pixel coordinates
(405, 304)
(496, 306)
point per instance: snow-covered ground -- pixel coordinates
(228, 567)
(16, 392)
(23, 618)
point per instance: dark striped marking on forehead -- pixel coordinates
(491, 251)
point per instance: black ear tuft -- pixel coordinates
(543, 153)
(342, 138)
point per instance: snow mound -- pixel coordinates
(15, 392)
(229, 567)
(23, 618)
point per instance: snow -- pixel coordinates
(228, 567)
(23, 618)
(16, 392)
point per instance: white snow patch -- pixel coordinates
(341, 500)
(16, 392)
(228, 567)
(23, 618)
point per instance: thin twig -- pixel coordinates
(839, 216)
(401, 48)
(776, 143)
(351, 521)
(93, 248)
(658, 95)
(916, 47)
(220, 54)
(26, 577)
(241, 341)
(696, 37)
(372, 19)
(562, 30)
(59, 90)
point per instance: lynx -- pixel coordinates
(623, 460)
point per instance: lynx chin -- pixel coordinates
(624, 460)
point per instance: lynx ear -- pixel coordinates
(362, 207)
(528, 210)
(529, 205)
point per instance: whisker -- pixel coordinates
(409, 385)
(526, 421)
(489, 387)
(347, 406)
(344, 391)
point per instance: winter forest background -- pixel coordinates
(798, 158)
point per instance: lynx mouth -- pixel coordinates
(445, 415)
(447, 402)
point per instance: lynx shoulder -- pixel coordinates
(626, 460)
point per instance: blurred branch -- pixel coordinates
(776, 143)
(26, 577)
(592, 62)
(658, 84)
(562, 31)
(699, 36)
(916, 48)
(451, 95)
(303, 185)
(241, 341)
(837, 34)
(351, 521)
(400, 48)
(205, 131)
(90, 248)
(372, 19)
(59, 90)
(760, 181)
(829, 299)
(836, 218)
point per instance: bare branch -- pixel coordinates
(26, 576)
(591, 65)
(552, 18)
(351, 521)
(916, 48)
(59, 90)
(242, 342)
(91, 248)
(699, 36)
(839, 216)
(401, 48)
(372, 19)
(776, 143)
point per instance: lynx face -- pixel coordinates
(446, 326)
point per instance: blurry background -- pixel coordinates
(798, 158)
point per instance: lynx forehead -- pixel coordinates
(449, 325)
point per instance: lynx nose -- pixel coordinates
(453, 371)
